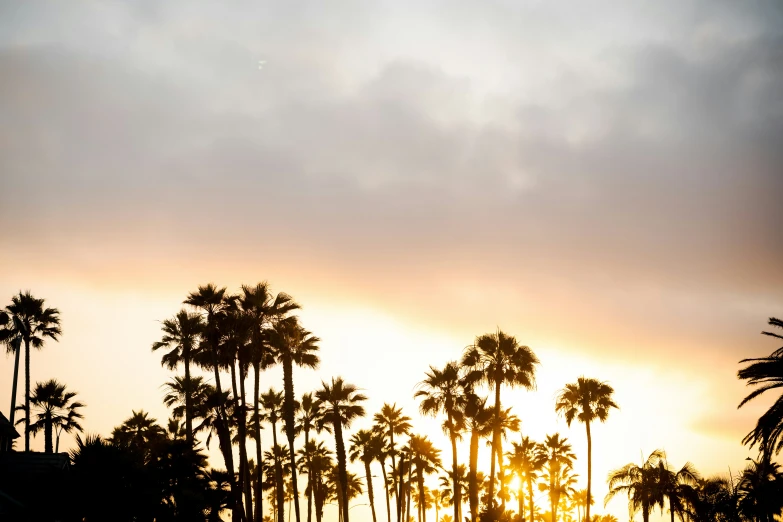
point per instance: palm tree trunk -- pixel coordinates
(48, 446)
(422, 504)
(342, 471)
(279, 491)
(397, 490)
(259, 512)
(408, 509)
(472, 480)
(521, 500)
(12, 412)
(531, 507)
(590, 471)
(248, 486)
(288, 411)
(188, 400)
(495, 436)
(455, 474)
(369, 489)
(671, 507)
(386, 490)
(501, 475)
(27, 394)
(309, 476)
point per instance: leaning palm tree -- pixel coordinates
(587, 400)
(342, 405)
(767, 373)
(181, 336)
(212, 302)
(365, 446)
(55, 411)
(27, 322)
(640, 483)
(293, 345)
(391, 421)
(498, 359)
(443, 391)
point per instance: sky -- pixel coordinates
(600, 179)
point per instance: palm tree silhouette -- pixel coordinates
(26, 319)
(640, 483)
(425, 458)
(309, 417)
(558, 464)
(293, 345)
(503, 423)
(213, 303)
(767, 373)
(444, 391)
(760, 491)
(317, 460)
(342, 402)
(264, 310)
(272, 401)
(587, 400)
(677, 487)
(181, 336)
(139, 433)
(391, 421)
(498, 359)
(478, 421)
(527, 459)
(55, 411)
(365, 446)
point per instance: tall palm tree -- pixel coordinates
(391, 421)
(264, 309)
(425, 458)
(272, 401)
(381, 457)
(498, 359)
(365, 446)
(640, 483)
(504, 423)
(309, 418)
(177, 392)
(587, 400)
(678, 487)
(342, 404)
(27, 319)
(181, 336)
(478, 421)
(293, 345)
(767, 374)
(317, 461)
(212, 302)
(139, 433)
(527, 459)
(558, 465)
(443, 391)
(55, 411)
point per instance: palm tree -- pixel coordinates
(677, 487)
(55, 410)
(272, 401)
(527, 459)
(317, 461)
(390, 421)
(365, 446)
(767, 373)
(212, 302)
(264, 310)
(443, 391)
(309, 417)
(498, 359)
(716, 500)
(504, 423)
(181, 336)
(760, 491)
(293, 345)
(640, 483)
(177, 392)
(425, 458)
(586, 400)
(27, 319)
(558, 465)
(342, 404)
(478, 421)
(139, 433)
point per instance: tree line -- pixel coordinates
(144, 471)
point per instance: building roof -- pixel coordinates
(6, 429)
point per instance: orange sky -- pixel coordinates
(601, 181)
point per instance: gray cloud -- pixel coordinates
(647, 185)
